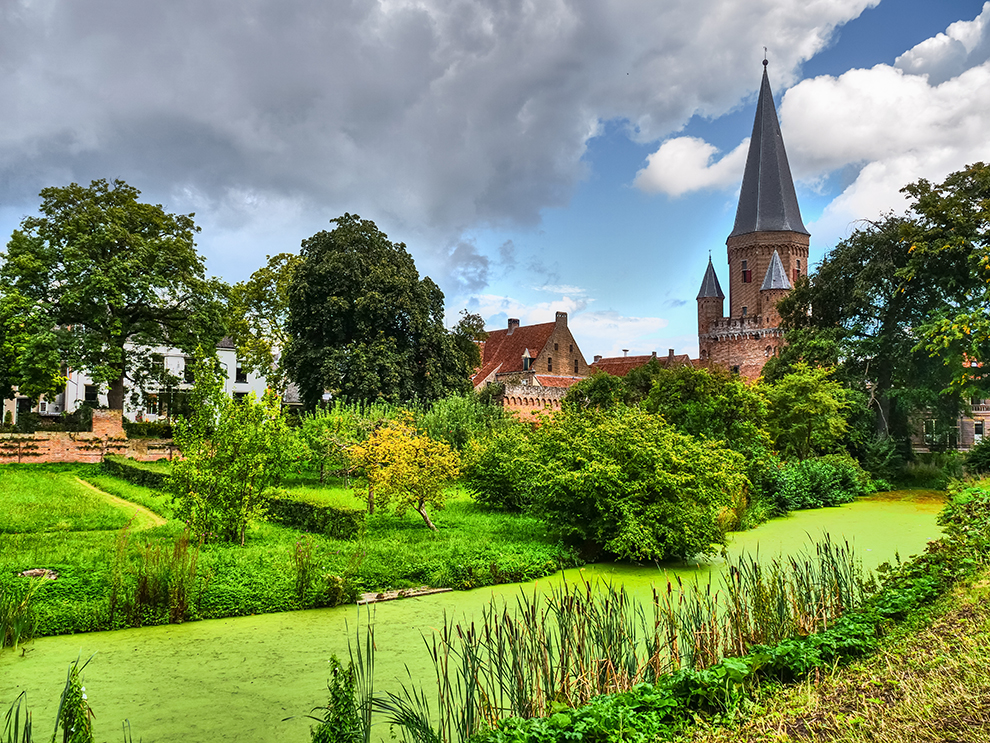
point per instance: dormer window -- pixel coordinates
(747, 274)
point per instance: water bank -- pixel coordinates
(235, 679)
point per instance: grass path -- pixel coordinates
(142, 517)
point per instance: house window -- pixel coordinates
(572, 348)
(90, 394)
(745, 311)
(157, 364)
(735, 370)
(240, 376)
(549, 363)
(42, 407)
(187, 371)
(554, 346)
(747, 274)
(575, 366)
(239, 396)
(977, 432)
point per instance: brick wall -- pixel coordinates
(756, 248)
(740, 342)
(528, 401)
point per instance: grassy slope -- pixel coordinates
(930, 682)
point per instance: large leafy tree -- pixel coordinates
(807, 412)
(364, 326)
(97, 273)
(259, 310)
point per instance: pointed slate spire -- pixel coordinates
(709, 284)
(776, 277)
(767, 202)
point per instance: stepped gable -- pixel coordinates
(709, 284)
(776, 277)
(767, 201)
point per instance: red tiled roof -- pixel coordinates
(548, 381)
(507, 350)
(484, 372)
(619, 366)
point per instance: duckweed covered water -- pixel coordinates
(236, 679)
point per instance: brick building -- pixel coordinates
(536, 363)
(620, 366)
(767, 252)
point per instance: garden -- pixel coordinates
(267, 513)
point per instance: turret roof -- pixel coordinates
(709, 284)
(767, 202)
(776, 277)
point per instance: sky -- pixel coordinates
(533, 155)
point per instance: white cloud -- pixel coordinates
(685, 164)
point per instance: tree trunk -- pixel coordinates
(371, 498)
(115, 395)
(421, 510)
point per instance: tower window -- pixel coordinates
(747, 274)
(797, 270)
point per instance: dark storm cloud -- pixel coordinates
(432, 115)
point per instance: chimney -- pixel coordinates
(562, 319)
(654, 354)
(513, 324)
(625, 351)
(670, 357)
(598, 358)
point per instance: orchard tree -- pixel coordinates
(405, 469)
(233, 455)
(364, 326)
(95, 272)
(259, 311)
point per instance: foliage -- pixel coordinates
(74, 716)
(819, 483)
(328, 433)
(626, 482)
(18, 621)
(405, 469)
(341, 722)
(99, 270)
(500, 469)
(950, 248)
(459, 419)
(978, 458)
(160, 429)
(363, 326)
(600, 391)
(232, 454)
(807, 412)
(134, 472)
(259, 311)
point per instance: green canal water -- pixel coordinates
(236, 679)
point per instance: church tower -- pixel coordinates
(767, 251)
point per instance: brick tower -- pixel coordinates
(768, 250)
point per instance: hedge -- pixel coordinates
(336, 523)
(133, 472)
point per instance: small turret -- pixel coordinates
(711, 300)
(774, 288)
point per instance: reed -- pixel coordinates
(575, 642)
(17, 618)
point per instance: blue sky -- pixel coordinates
(578, 155)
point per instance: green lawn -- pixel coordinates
(111, 577)
(52, 500)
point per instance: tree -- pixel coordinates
(259, 308)
(98, 271)
(950, 246)
(233, 454)
(364, 326)
(807, 412)
(600, 391)
(327, 434)
(626, 482)
(405, 469)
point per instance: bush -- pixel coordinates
(458, 419)
(624, 482)
(978, 458)
(820, 482)
(133, 472)
(498, 469)
(336, 523)
(935, 470)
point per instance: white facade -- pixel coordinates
(80, 387)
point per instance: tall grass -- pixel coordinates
(17, 618)
(580, 641)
